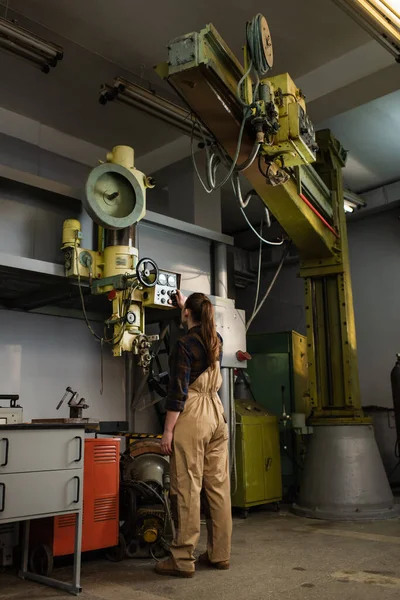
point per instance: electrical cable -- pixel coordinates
(259, 269)
(210, 188)
(255, 45)
(271, 285)
(258, 61)
(232, 432)
(238, 193)
(280, 243)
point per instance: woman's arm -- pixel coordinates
(179, 380)
(170, 422)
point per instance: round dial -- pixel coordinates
(172, 280)
(131, 317)
(162, 279)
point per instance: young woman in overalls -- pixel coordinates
(196, 438)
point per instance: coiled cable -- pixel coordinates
(255, 45)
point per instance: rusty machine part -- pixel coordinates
(144, 504)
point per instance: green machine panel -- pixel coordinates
(258, 460)
(278, 374)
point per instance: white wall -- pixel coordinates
(375, 255)
(41, 355)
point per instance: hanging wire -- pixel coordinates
(271, 285)
(238, 193)
(209, 187)
(259, 268)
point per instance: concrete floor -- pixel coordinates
(274, 556)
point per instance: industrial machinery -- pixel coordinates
(146, 523)
(259, 126)
(12, 413)
(116, 200)
(54, 537)
(278, 375)
(258, 462)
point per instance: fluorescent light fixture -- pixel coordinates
(21, 42)
(151, 103)
(381, 18)
(352, 201)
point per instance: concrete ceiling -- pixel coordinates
(306, 34)
(344, 74)
(372, 131)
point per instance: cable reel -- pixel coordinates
(259, 45)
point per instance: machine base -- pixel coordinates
(344, 478)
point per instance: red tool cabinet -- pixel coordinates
(55, 537)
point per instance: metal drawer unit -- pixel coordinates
(41, 475)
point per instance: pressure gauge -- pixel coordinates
(172, 280)
(130, 317)
(162, 279)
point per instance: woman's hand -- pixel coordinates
(166, 442)
(180, 299)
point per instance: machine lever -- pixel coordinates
(67, 391)
(78, 437)
(3, 498)
(78, 489)
(7, 444)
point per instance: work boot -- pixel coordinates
(205, 560)
(168, 567)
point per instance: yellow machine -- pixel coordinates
(116, 201)
(258, 461)
(258, 126)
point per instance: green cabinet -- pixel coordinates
(278, 373)
(258, 464)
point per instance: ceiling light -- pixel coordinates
(352, 201)
(21, 42)
(151, 103)
(381, 18)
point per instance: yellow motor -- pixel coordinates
(71, 235)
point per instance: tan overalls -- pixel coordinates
(200, 460)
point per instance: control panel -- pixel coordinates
(163, 292)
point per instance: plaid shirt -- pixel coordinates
(188, 361)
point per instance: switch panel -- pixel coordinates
(164, 290)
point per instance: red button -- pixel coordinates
(112, 295)
(242, 356)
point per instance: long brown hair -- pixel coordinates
(203, 313)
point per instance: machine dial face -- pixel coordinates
(172, 280)
(131, 318)
(162, 279)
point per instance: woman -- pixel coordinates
(196, 437)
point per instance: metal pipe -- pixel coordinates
(129, 390)
(221, 270)
(120, 237)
